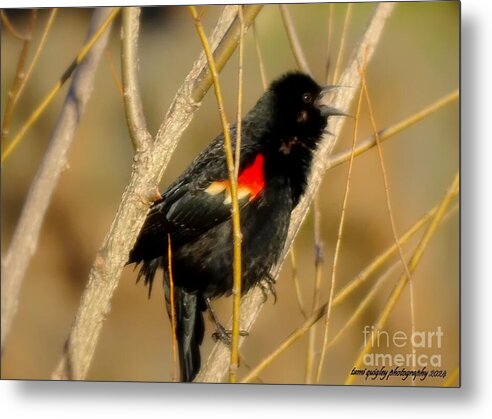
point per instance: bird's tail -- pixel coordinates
(190, 329)
(188, 309)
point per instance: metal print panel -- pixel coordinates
(259, 194)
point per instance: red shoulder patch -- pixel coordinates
(253, 177)
(251, 182)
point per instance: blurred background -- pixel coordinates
(416, 63)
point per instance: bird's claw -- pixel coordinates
(225, 335)
(267, 285)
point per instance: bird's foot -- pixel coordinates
(225, 335)
(267, 285)
(221, 333)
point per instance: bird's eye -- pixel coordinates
(307, 97)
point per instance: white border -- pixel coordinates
(120, 400)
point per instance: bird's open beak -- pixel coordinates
(327, 110)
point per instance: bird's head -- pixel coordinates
(298, 106)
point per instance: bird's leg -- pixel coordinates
(221, 333)
(267, 285)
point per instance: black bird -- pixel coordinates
(278, 137)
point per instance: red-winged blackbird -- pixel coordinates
(278, 137)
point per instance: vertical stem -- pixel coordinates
(236, 227)
(236, 286)
(295, 279)
(19, 79)
(260, 58)
(173, 308)
(318, 271)
(328, 44)
(294, 39)
(390, 210)
(135, 117)
(337, 247)
(239, 91)
(341, 50)
(40, 47)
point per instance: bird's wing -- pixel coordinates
(190, 208)
(201, 197)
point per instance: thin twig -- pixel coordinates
(8, 25)
(318, 273)
(218, 361)
(148, 169)
(341, 49)
(172, 308)
(46, 30)
(52, 93)
(328, 43)
(239, 94)
(225, 49)
(382, 258)
(19, 78)
(236, 285)
(389, 206)
(114, 73)
(339, 241)
(295, 45)
(264, 81)
(369, 296)
(248, 366)
(295, 279)
(236, 226)
(26, 235)
(387, 133)
(135, 118)
(414, 261)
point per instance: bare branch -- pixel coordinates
(341, 48)
(295, 44)
(42, 42)
(10, 28)
(129, 69)
(25, 239)
(216, 366)
(148, 168)
(19, 78)
(264, 82)
(224, 51)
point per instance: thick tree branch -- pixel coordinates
(217, 364)
(25, 239)
(148, 168)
